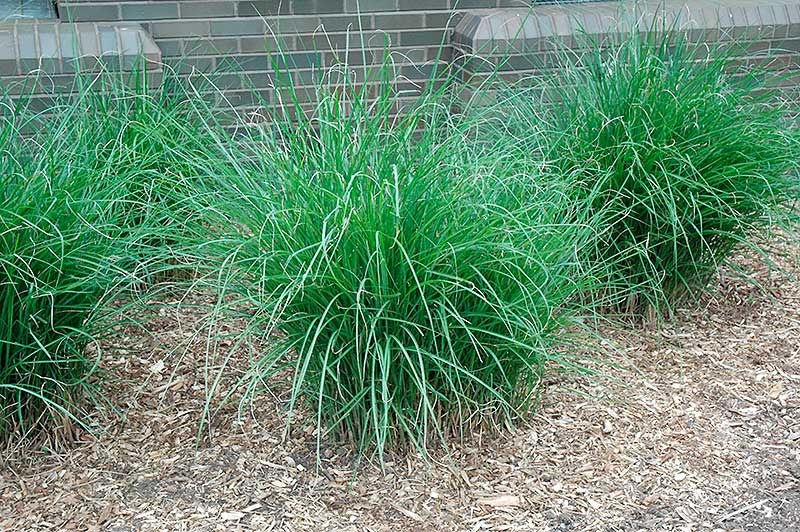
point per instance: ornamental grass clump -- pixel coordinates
(78, 219)
(147, 134)
(412, 301)
(674, 152)
(56, 268)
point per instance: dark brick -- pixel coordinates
(187, 65)
(442, 19)
(414, 5)
(180, 28)
(150, 11)
(422, 38)
(211, 46)
(399, 21)
(296, 60)
(228, 82)
(171, 47)
(256, 63)
(790, 45)
(263, 8)
(291, 25)
(238, 26)
(369, 6)
(325, 41)
(207, 9)
(346, 22)
(247, 98)
(317, 7)
(90, 12)
(481, 4)
(257, 79)
(266, 43)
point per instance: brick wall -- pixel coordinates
(238, 40)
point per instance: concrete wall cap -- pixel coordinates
(54, 47)
(528, 28)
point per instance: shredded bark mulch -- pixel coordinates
(692, 426)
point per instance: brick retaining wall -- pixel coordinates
(236, 39)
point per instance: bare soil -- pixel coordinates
(695, 426)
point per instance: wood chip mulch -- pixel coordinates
(695, 427)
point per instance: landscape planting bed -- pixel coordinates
(698, 430)
(368, 313)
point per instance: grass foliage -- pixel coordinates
(413, 278)
(677, 154)
(410, 305)
(78, 209)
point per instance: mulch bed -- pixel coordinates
(694, 426)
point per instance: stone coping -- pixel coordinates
(55, 47)
(539, 28)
